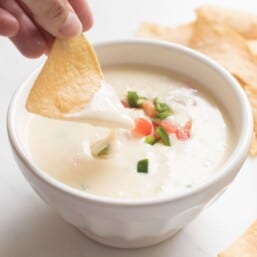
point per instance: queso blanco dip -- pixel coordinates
(179, 140)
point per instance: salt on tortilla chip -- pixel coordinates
(180, 35)
(227, 47)
(245, 246)
(252, 96)
(67, 81)
(244, 23)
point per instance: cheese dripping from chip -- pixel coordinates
(71, 87)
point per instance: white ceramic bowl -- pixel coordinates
(138, 224)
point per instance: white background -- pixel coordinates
(29, 228)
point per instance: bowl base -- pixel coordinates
(123, 243)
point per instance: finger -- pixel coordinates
(9, 26)
(28, 40)
(55, 16)
(84, 13)
(49, 38)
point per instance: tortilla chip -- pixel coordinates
(180, 35)
(68, 80)
(253, 147)
(227, 47)
(243, 22)
(245, 246)
(252, 96)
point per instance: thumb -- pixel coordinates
(55, 16)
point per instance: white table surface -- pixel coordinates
(29, 228)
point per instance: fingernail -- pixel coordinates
(71, 27)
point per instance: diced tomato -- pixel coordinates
(143, 127)
(149, 109)
(125, 103)
(168, 127)
(184, 133)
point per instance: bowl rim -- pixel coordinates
(235, 158)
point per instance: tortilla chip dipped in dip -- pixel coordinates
(71, 86)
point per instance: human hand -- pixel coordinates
(33, 24)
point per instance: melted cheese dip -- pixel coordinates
(62, 148)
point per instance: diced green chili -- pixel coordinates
(140, 100)
(163, 135)
(163, 115)
(142, 166)
(151, 140)
(104, 150)
(157, 104)
(134, 100)
(162, 109)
